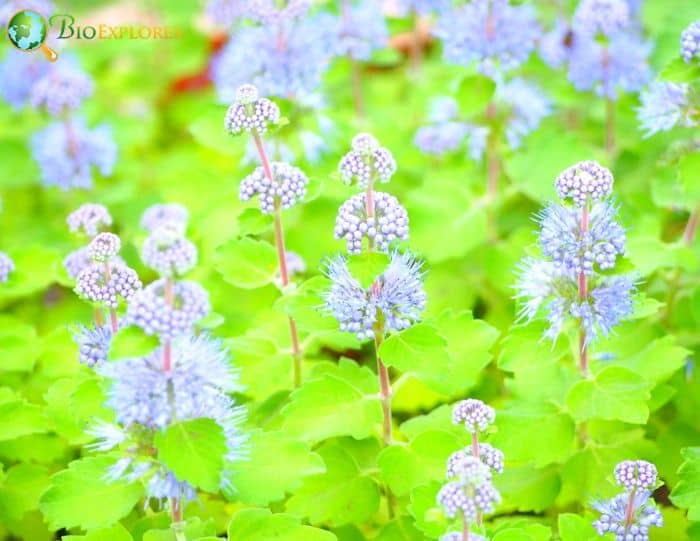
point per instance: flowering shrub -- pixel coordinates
(417, 270)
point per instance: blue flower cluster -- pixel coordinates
(632, 513)
(63, 89)
(19, 72)
(469, 491)
(361, 29)
(603, 48)
(690, 42)
(7, 266)
(366, 162)
(396, 296)
(579, 243)
(494, 34)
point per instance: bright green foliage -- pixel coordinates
(246, 262)
(345, 493)
(261, 525)
(335, 401)
(115, 533)
(194, 452)
(277, 465)
(82, 485)
(686, 494)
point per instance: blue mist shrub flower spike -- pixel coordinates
(168, 252)
(471, 491)
(422, 7)
(474, 414)
(555, 45)
(89, 219)
(67, 153)
(495, 34)
(397, 295)
(632, 513)
(288, 187)
(227, 12)
(62, 89)
(489, 455)
(162, 214)
(366, 162)
(527, 107)
(665, 105)
(149, 310)
(271, 12)
(7, 266)
(388, 223)
(690, 42)
(78, 260)
(579, 243)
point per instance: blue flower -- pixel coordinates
(19, 72)
(527, 107)
(439, 139)
(621, 65)
(62, 89)
(362, 29)
(472, 492)
(690, 42)
(422, 7)
(614, 516)
(9, 8)
(227, 12)
(606, 17)
(7, 266)
(67, 154)
(663, 106)
(496, 35)
(397, 296)
(555, 45)
(288, 61)
(94, 343)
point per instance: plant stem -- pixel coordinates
(465, 530)
(282, 261)
(369, 207)
(609, 125)
(629, 513)
(112, 311)
(691, 226)
(99, 317)
(384, 384)
(176, 513)
(475, 453)
(358, 97)
(169, 294)
(416, 46)
(583, 295)
(70, 136)
(687, 238)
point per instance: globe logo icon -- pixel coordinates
(27, 31)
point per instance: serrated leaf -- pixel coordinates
(335, 401)
(658, 360)
(575, 528)
(277, 465)
(528, 488)
(341, 495)
(246, 263)
(262, 525)
(537, 433)
(77, 488)
(405, 467)
(194, 451)
(686, 493)
(614, 394)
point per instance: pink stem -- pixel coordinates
(169, 294)
(384, 386)
(583, 294)
(465, 530)
(112, 312)
(282, 261)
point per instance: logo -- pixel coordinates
(27, 31)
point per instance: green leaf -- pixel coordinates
(19, 418)
(246, 263)
(343, 494)
(401, 529)
(194, 451)
(194, 529)
(614, 394)
(537, 433)
(405, 467)
(474, 94)
(423, 508)
(76, 489)
(20, 345)
(277, 465)
(261, 525)
(686, 493)
(253, 222)
(528, 488)
(679, 71)
(208, 130)
(647, 362)
(335, 401)
(115, 533)
(575, 528)
(20, 490)
(524, 532)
